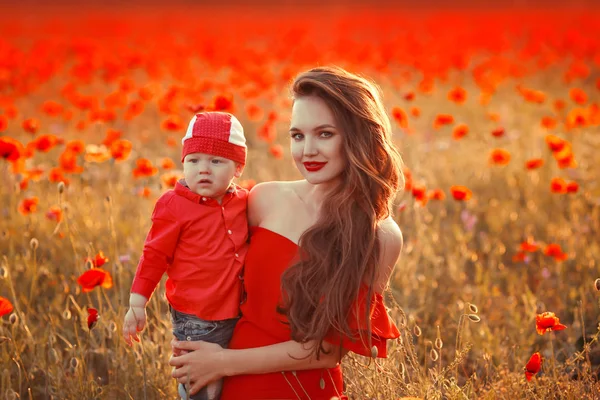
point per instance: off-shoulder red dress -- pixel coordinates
(268, 256)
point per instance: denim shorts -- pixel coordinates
(191, 328)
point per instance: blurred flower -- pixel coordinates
(94, 277)
(469, 220)
(533, 366)
(558, 185)
(554, 250)
(31, 125)
(555, 143)
(98, 261)
(120, 149)
(400, 117)
(28, 205)
(460, 131)
(498, 132)
(499, 157)
(548, 122)
(54, 213)
(92, 318)
(247, 184)
(457, 95)
(6, 306)
(10, 149)
(442, 120)
(578, 95)
(167, 163)
(144, 168)
(276, 150)
(460, 193)
(534, 163)
(547, 322)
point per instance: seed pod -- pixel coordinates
(74, 363)
(3, 272)
(597, 284)
(473, 308)
(417, 331)
(53, 356)
(438, 343)
(61, 187)
(34, 243)
(374, 351)
(433, 354)
(66, 314)
(474, 318)
(10, 394)
(13, 319)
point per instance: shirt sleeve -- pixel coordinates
(382, 327)
(159, 248)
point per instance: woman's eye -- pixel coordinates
(326, 134)
(297, 136)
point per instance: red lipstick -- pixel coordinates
(314, 166)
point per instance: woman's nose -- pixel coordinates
(310, 147)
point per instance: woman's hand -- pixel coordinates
(201, 365)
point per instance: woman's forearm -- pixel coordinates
(285, 356)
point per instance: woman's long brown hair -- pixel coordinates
(341, 250)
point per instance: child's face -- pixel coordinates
(208, 175)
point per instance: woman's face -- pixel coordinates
(316, 141)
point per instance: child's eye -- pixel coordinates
(192, 160)
(216, 161)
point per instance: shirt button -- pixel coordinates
(229, 231)
(237, 255)
(223, 208)
(204, 199)
(189, 338)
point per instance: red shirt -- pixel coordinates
(201, 245)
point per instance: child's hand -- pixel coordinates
(135, 321)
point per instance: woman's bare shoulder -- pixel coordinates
(265, 196)
(390, 242)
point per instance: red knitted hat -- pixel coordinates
(216, 133)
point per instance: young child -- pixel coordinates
(198, 237)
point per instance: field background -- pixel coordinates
(474, 93)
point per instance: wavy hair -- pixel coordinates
(341, 250)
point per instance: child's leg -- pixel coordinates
(191, 328)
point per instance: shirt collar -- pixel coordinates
(182, 189)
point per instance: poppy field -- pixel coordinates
(496, 113)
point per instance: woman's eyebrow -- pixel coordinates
(316, 128)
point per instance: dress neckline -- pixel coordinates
(253, 228)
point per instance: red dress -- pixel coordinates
(268, 256)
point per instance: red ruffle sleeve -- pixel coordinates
(382, 326)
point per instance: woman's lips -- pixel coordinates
(314, 166)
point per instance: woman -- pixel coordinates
(319, 248)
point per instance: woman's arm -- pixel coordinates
(207, 362)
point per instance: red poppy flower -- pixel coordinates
(170, 179)
(578, 95)
(267, 132)
(457, 95)
(57, 175)
(52, 108)
(533, 366)
(415, 112)
(3, 123)
(54, 213)
(460, 193)
(6, 306)
(572, 187)
(558, 185)
(98, 261)
(10, 149)
(45, 143)
(112, 135)
(534, 163)
(419, 191)
(223, 103)
(144, 168)
(400, 117)
(120, 149)
(460, 131)
(436, 194)
(92, 318)
(499, 157)
(28, 205)
(555, 251)
(276, 150)
(548, 122)
(555, 143)
(167, 163)
(172, 123)
(409, 96)
(94, 277)
(31, 125)
(442, 119)
(255, 113)
(247, 184)
(135, 108)
(529, 246)
(547, 322)
(498, 132)
(68, 162)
